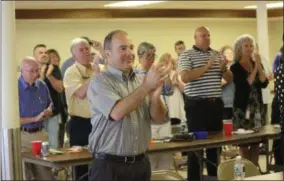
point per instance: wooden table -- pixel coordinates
(214, 140)
(272, 176)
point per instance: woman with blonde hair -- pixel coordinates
(172, 91)
(173, 98)
(249, 79)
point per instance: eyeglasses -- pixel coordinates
(151, 55)
(32, 70)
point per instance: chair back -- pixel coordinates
(166, 175)
(225, 169)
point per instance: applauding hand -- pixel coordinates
(156, 76)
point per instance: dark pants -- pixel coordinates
(275, 119)
(282, 149)
(277, 152)
(80, 128)
(64, 117)
(106, 170)
(263, 114)
(61, 134)
(175, 121)
(203, 115)
(228, 113)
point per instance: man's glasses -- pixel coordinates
(151, 55)
(32, 70)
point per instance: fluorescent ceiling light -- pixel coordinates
(269, 6)
(132, 3)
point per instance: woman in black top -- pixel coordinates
(249, 79)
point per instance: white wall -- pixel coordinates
(161, 32)
(275, 36)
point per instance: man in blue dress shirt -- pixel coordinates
(35, 105)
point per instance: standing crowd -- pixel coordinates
(103, 98)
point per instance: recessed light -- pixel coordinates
(132, 3)
(268, 6)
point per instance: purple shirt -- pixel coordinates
(32, 100)
(276, 61)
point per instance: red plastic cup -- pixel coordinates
(36, 147)
(228, 128)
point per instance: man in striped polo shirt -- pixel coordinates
(202, 68)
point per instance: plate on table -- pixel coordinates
(55, 152)
(75, 149)
(276, 126)
(242, 131)
(162, 140)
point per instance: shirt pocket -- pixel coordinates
(43, 101)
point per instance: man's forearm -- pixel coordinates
(128, 104)
(190, 75)
(158, 110)
(56, 84)
(27, 120)
(81, 93)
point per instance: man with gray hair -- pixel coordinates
(76, 82)
(35, 106)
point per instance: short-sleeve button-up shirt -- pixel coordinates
(33, 100)
(126, 137)
(75, 77)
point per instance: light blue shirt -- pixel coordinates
(67, 63)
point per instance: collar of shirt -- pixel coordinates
(25, 84)
(138, 71)
(119, 74)
(85, 71)
(198, 49)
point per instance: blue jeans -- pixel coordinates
(51, 126)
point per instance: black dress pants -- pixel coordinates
(203, 115)
(108, 170)
(79, 131)
(275, 119)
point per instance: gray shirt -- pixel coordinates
(67, 63)
(126, 137)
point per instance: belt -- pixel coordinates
(213, 99)
(122, 159)
(79, 118)
(32, 130)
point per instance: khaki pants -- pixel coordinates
(33, 171)
(161, 161)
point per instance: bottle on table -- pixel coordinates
(183, 128)
(239, 169)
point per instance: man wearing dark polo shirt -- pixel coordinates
(202, 68)
(51, 75)
(35, 106)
